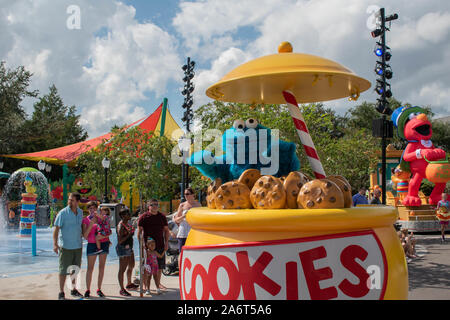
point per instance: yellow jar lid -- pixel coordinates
(310, 78)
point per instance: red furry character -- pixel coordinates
(414, 126)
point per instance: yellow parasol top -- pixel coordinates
(310, 78)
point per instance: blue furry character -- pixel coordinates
(247, 145)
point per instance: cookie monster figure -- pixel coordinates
(413, 125)
(247, 145)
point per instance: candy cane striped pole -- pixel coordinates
(304, 135)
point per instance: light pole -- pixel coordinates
(184, 144)
(188, 115)
(1, 164)
(48, 169)
(382, 127)
(41, 165)
(105, 164)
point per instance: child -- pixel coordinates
(103, 228)
(151, 264)
(408, 243)
(443, 214)
(124, 250)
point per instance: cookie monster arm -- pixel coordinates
(288, 158)
(208, 165)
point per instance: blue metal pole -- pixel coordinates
(33, 239)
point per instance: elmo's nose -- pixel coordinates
(422, 117)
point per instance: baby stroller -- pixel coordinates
(172, 253)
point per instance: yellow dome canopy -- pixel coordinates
(310, 78)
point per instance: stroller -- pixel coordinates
(172, 253)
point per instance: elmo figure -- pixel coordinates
(413, 125)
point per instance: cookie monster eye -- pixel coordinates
(251, 123)
(239, 124)
(412, 115)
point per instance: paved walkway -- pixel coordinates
(46, 287)
(429, 275)
(429, 278)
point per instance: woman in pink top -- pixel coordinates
(92, 233)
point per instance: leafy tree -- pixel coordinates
(52, 124)
(13, 89)
(141, 158)
(336, 145)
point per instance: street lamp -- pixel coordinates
(105, 164)
(41, 165)
(184, 144)
(1, 164)
(48, 168)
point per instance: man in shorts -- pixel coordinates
(154, 224)
(67, 242)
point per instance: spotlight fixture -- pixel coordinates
(378, 51)
(376, 33)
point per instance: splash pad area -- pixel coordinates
(16, 259)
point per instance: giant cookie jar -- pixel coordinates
(349, 253)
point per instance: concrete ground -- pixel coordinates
(46, 287)
(429, 275)
(429, 279)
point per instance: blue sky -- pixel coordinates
(126, 56)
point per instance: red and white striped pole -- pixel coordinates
(304, 135)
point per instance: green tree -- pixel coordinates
(13, 89)
(334, 142)
(141, 158)
(52, 124)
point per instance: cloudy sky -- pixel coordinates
(117, 60)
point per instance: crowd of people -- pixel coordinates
(70, 228)
(361, 197)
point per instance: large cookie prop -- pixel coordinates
(210, 193)
(249, 177)
(320, 194)
(292, 184)
(232, 195)
(268, 193)
(345, 187)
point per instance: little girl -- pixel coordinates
(103, 228)
(151, 264)
(443, 214)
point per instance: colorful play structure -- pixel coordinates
(28, 209)
(160, 121)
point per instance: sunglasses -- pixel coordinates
(154, 205)
(187, 194)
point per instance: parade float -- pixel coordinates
(423, 218)
(420, 160)
(288, 236)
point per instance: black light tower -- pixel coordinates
(188, 115)
(383, 128)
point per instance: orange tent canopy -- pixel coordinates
(157, 121)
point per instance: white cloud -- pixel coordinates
(132, 59)
(331, 29)
(108, 76)
(211, 24)
(105, 76)
(227, 61)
